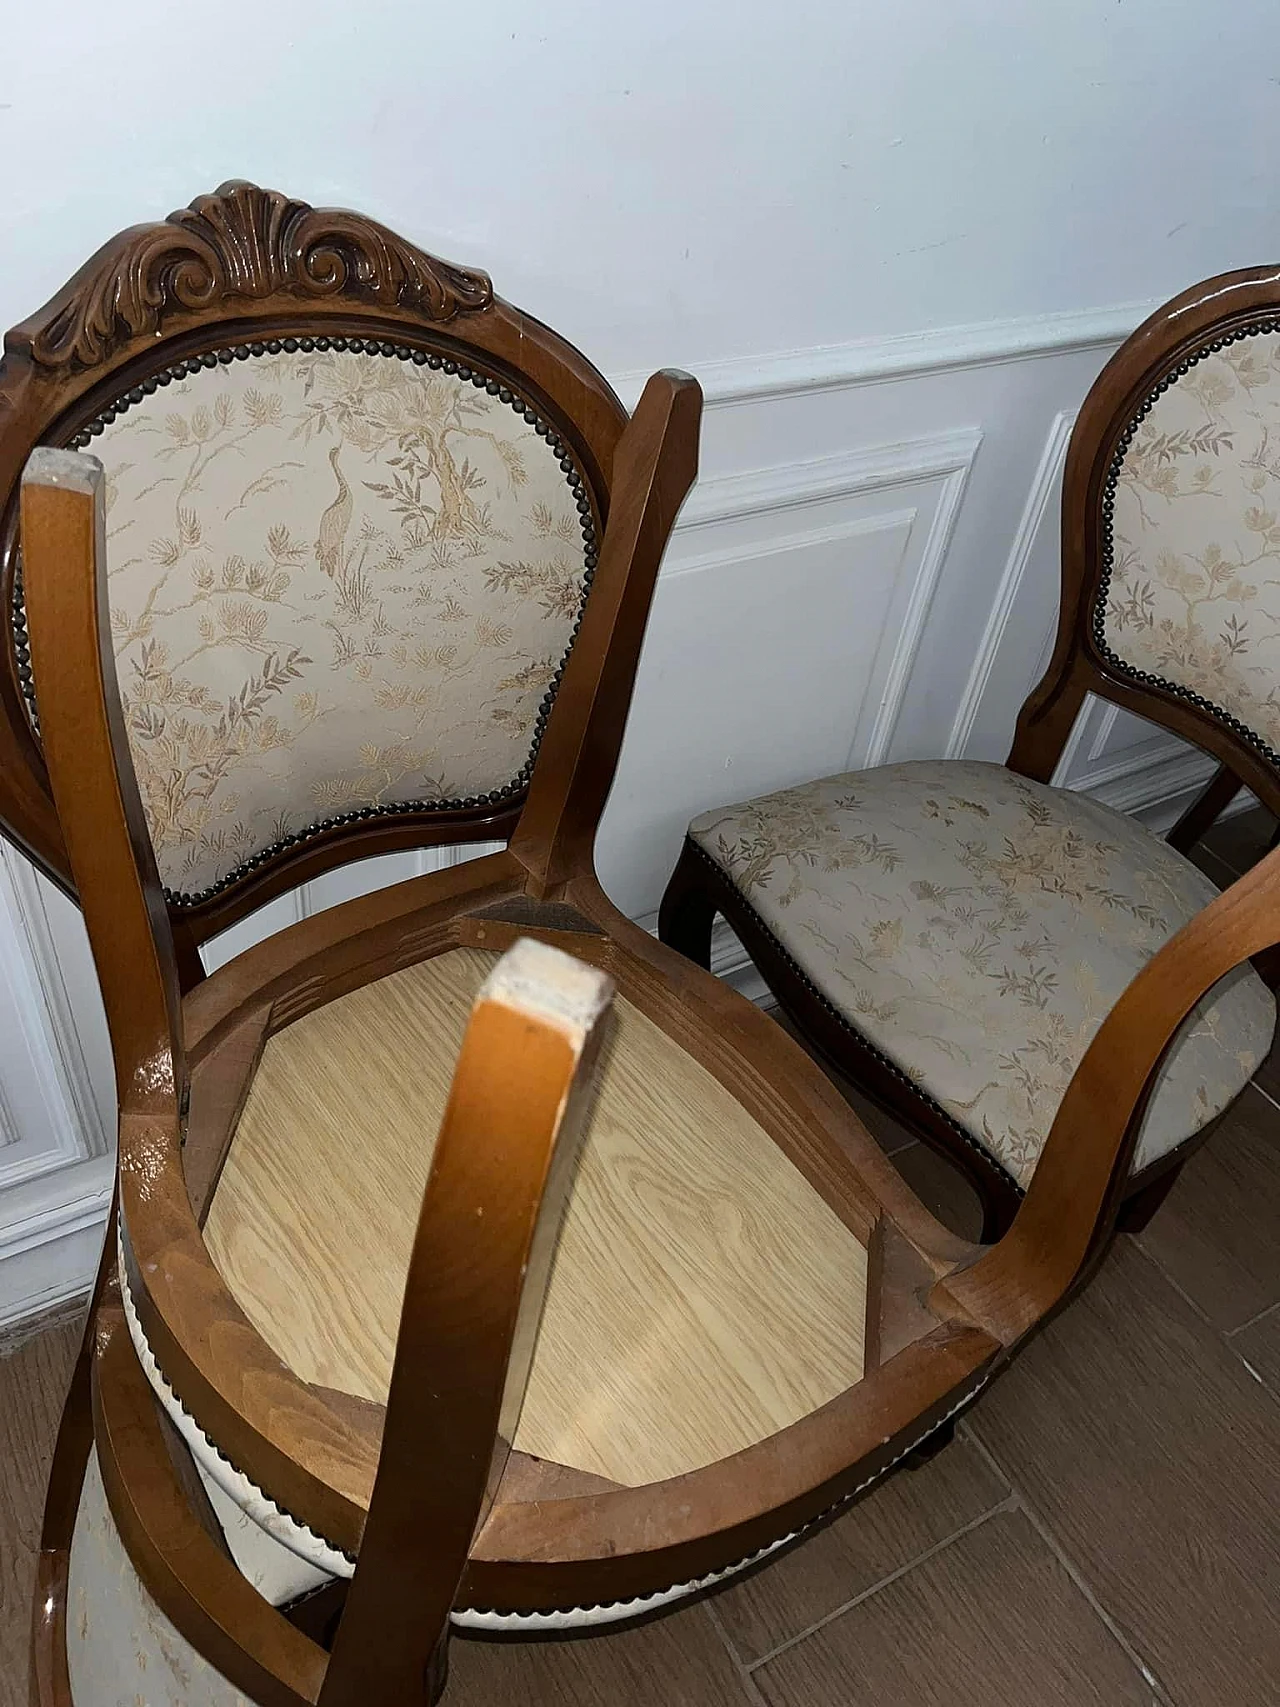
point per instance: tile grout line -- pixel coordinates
(1226, 1335)
(1162, 1271)
(1260, 1379)
(1023, 1504)
(1263, 1092)
(1269, 1310)
(750, 1688)
(1006, 1504)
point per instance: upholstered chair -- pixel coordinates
(398, 1332)
(950, 935)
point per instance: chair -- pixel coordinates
(336, 1397)
(949, 935)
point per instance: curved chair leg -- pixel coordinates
(1204, 811)
(688, 912)
(1137, 1211)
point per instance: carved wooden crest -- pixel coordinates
(243, 242)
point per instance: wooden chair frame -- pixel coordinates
(183, 1065)
(1219, 309)
(238, 271)
(949, 1314)
(945, 1316)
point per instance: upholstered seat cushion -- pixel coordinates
(976, 928)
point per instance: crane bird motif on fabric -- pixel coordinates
(334, 523)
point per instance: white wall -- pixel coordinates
(679, 181)
(896, 242)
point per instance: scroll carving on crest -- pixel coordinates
(245, 242)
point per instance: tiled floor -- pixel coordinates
(1105, 1528)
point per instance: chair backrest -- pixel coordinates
(354, 513)
(1171, 536)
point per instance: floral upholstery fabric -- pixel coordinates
(121, 1649)
(337, 581)
(976, 928)
(1194, 595)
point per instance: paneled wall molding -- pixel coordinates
(1154, 787)
(907, 355)
(1106, 730)
(51, 1233)
(942, 460)
(1131, 765)
(1035, 516)
(87, 1127)
(44, 1128)
(737, 497)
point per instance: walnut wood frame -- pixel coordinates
(1220, 308)
(948, 1315)
(237, 268)
(945, 1315)
(183, 1065)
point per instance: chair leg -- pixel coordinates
(433, 1684)
(1136, 1211)
(1204, 811)
(687, 912)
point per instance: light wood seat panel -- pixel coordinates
(703, 1296)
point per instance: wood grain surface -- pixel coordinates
(900, 1521)
(703, 1295)
(1154, 1457)
(992, 1620)
(33, 1383)
(1216, 1236)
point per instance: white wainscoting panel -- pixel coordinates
(1024, 609)
(55, 1169)
(1131, 764)
(810, 585)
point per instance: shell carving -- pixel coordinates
(244, 242)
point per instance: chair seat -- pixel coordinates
(976, 927)
(703, 1296)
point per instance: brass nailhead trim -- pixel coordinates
(1098, 625)
(511, 790)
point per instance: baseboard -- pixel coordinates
(1158, 790)
(51, 1240)
(1154, 791)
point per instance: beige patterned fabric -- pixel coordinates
(977, 928)
(121, 1649)
(338, 581)
(1194, 595)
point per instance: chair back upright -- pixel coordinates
(355, 511)
(1171, 537)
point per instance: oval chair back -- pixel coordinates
(355, 511)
